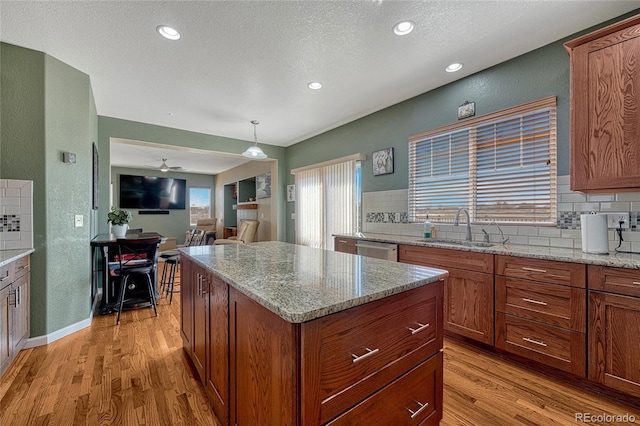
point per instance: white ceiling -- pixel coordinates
(251, 60)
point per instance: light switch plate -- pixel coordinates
(79, 221)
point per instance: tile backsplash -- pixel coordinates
(386, 212)
(16, 214)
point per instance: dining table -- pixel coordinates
(105, 281)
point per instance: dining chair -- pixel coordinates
(136, 257)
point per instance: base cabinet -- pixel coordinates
(614, 327)
(468, 291)
(14, 310)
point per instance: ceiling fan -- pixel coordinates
(164, 168)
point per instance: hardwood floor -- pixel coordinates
(136, 374)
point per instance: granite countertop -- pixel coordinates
(300, 283)
(618, 260)
(8, 256)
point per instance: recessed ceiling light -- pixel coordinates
(456, 66)
(403, 28)
(168, 32)
(314, 85)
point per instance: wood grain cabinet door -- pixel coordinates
(20, 313)
(200, 315)
(187, 284)
(614, 344)
(217, 371)
(605, 106)
(6, 300)
(345, 245)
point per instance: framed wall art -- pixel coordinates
(467, 109)
(383, 162)
(263, 185)
(291, 192)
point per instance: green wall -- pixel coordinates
(47, 109)
(535, 75)
(116, 128)
(174, 224)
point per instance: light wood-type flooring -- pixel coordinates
(136, 374)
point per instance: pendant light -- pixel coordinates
(254, 151)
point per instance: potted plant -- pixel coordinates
(119, 219)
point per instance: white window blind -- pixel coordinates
(326, 203)
(500, 166)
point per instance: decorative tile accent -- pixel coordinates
(9, 223)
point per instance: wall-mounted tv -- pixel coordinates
(152, 192)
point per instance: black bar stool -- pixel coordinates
(137, 257)
(168, 276)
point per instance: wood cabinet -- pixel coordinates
(335, 368)
(204, 330)
(468, 291)
(14, 309)
(614, 327)
(541, 311)
(345, 245)
(605, 105)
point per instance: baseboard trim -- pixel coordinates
(33, 342)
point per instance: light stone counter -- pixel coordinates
(618, 260)
(300, 283)
(8, 256)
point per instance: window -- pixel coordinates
(327, 201)
(199, 204)
(500, 166)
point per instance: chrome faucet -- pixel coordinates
(503, 240)
(456, 221)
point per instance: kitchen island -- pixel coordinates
(286, 334)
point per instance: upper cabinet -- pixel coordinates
(605, 108)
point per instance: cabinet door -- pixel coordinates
(6, 301)
(187, 291)
(614, 327)
(217, 383)
(605, 100)
(345, 245)
(200, 326)
(469, 305)
(20, 313)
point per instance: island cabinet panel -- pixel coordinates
(187, 291)
(614, 328)
(605, 104)
(468, 291)
(541, 311)
(265, 358)
(345, 245)
(200, 313)
(217, 367)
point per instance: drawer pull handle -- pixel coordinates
(343, 241)
(534, 270)
(370, 352)
(419, 329)
(636, 282)
(4, 278)
(537, 302)
(535, 342)
(22, 267)
(419, 410)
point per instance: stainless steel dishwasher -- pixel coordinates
(378, 250)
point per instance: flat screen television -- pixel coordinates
(152, 192)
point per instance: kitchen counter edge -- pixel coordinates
(8, 256)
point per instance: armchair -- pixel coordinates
(247, 232)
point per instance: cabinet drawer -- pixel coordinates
(551, 304)
(413, 399)
(6, 275)
(615, 280)
(21, 267)
(554, 346)
(446, 258)
(345, 245)
(549, 271)
(351, 354)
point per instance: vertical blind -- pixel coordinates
(500, 166)
(326, 203)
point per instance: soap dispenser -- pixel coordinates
(427, 228)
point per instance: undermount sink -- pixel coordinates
(455, 242)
